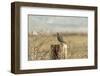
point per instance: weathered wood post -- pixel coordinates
(55, 50)
(59, 51)
(64, 51)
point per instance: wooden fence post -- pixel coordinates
(59, 51)
(54, 51)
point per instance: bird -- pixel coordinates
(60, 38)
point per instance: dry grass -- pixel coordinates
(39, 46)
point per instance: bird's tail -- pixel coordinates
(64, 42)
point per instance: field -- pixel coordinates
(39, 46)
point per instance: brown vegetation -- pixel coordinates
(39, 46)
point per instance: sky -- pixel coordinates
(51, 24)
